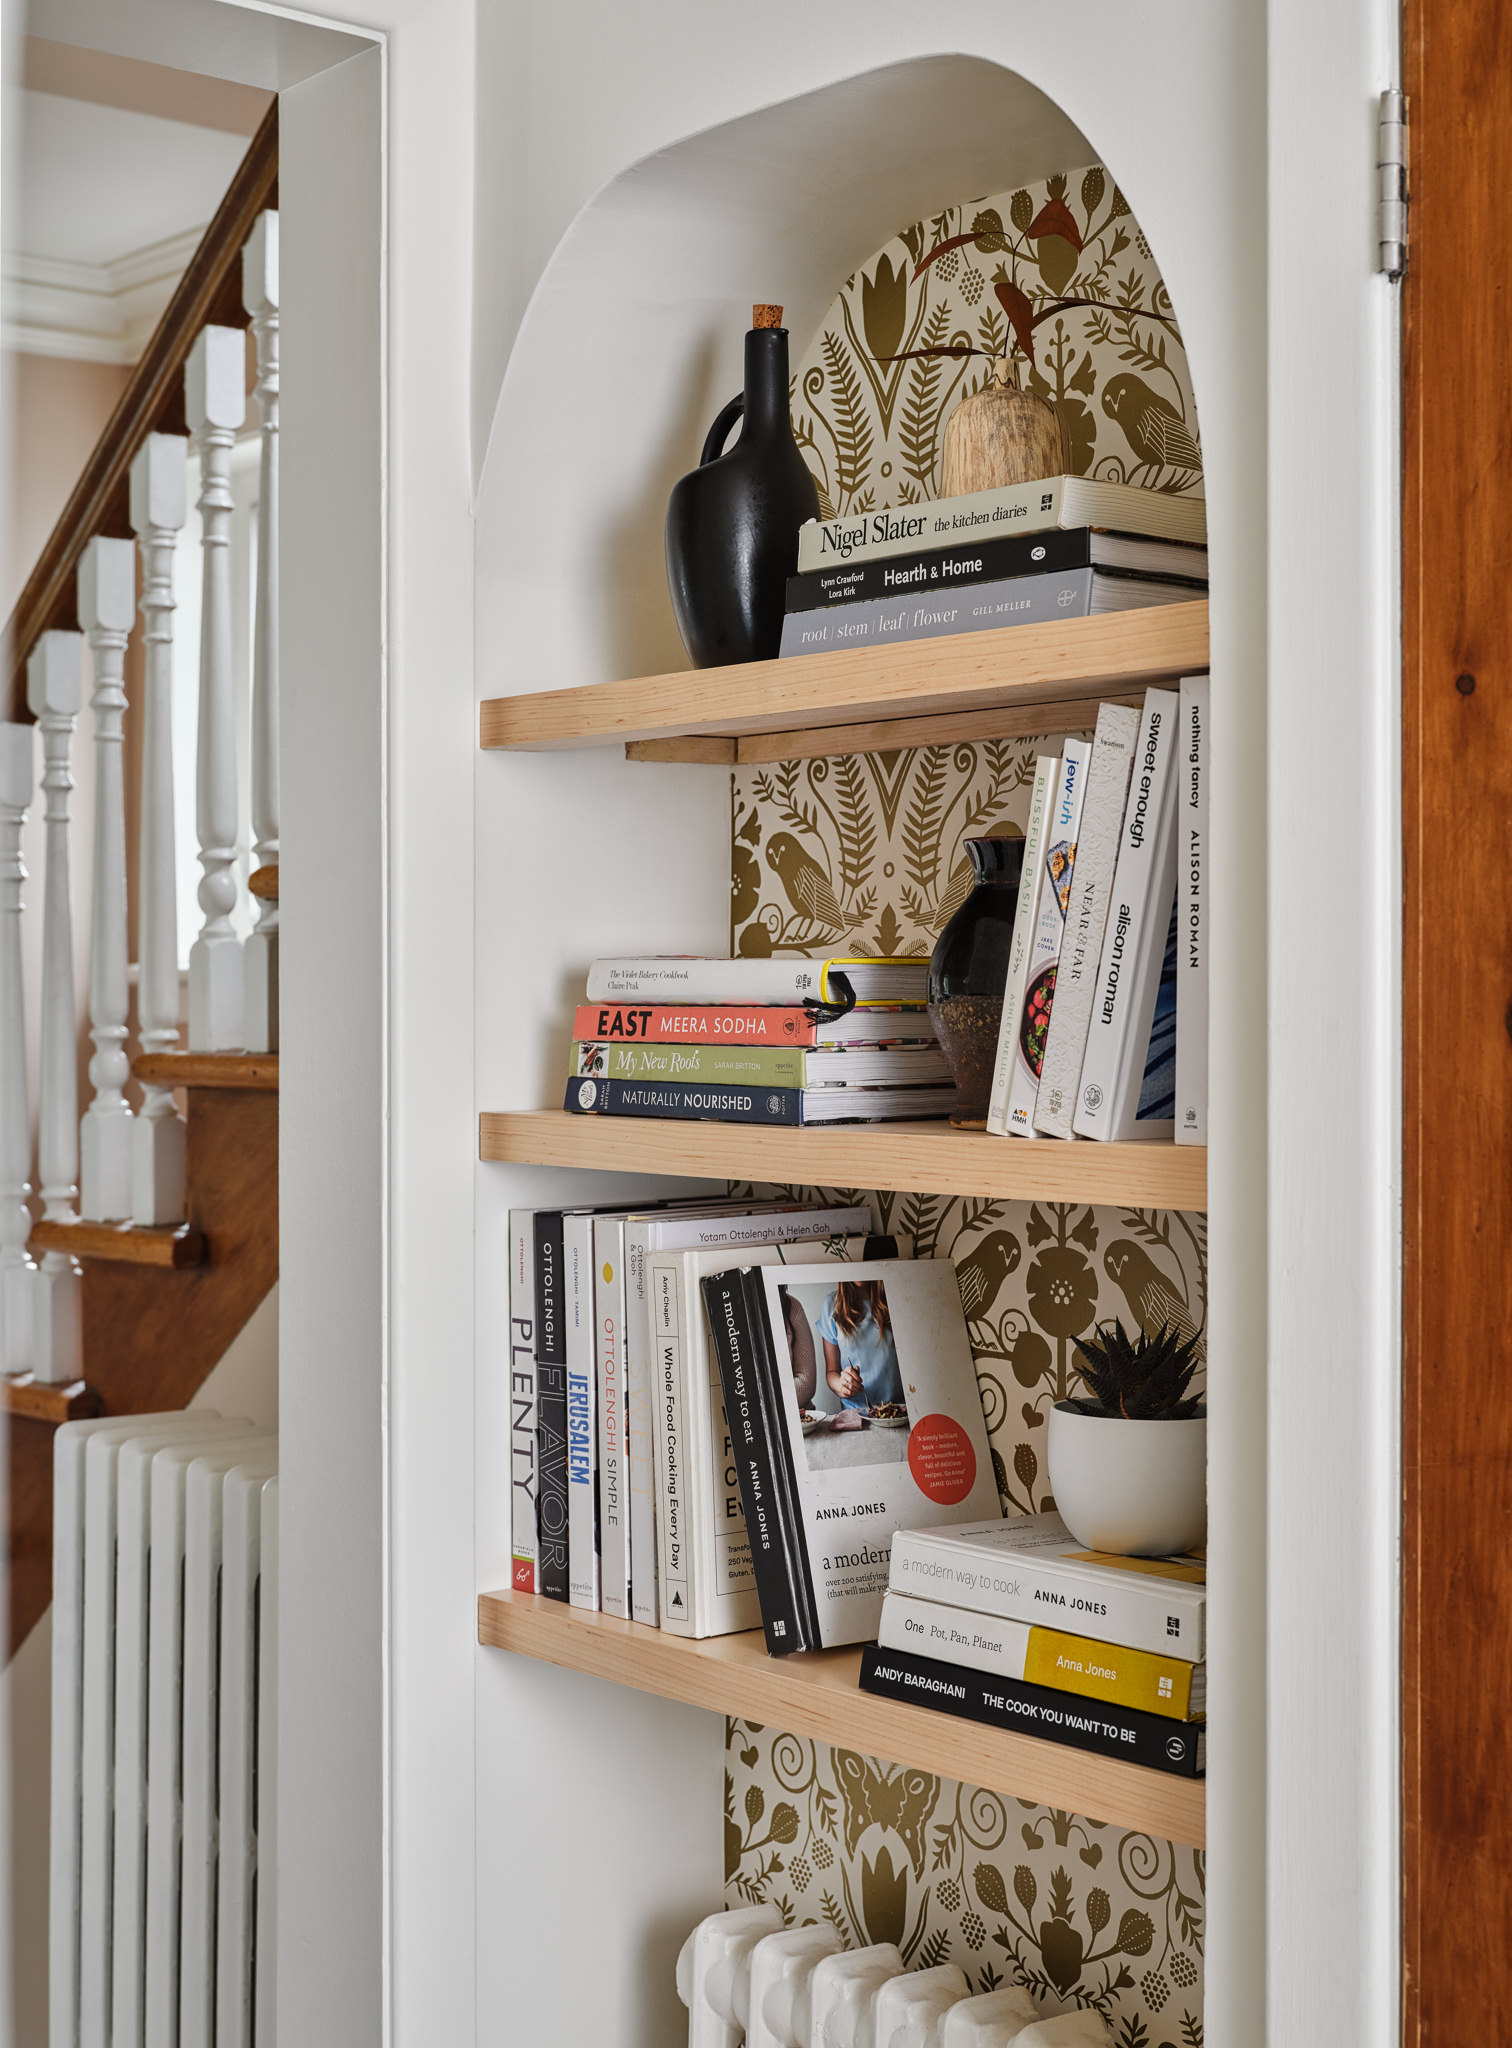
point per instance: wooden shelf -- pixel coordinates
(124, 1244)
(923, 1158)
(48, 1400)
(972, 685)
(817, 1695)
(256, 1070)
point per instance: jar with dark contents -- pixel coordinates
(968, 971)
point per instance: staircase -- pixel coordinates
(157, 1236)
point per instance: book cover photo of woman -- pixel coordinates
(847, 1383)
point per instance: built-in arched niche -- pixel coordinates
(632, 340)
(830, 204)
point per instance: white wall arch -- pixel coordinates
(632, 340)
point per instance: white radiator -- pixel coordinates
(161, 1747)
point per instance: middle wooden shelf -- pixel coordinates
(817, 1695)
(922, 1158)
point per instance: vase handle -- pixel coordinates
(714, 440)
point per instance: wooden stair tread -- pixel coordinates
(208, 1069)
(49, 1401)
(263, 882)
(131, 1244)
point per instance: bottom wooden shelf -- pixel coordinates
(817, 1695)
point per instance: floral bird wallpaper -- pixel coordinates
(1059, 272)
(866, 853)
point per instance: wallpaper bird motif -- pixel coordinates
(1061, 271)
(1080, 1913)
(866, 853)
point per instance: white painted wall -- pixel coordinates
(332, 1608)
(471, 1816)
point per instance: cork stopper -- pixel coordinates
(766, 316)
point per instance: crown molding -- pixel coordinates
(91, 312)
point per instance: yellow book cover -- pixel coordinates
(1108, 1671)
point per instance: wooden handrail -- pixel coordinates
(208, 294)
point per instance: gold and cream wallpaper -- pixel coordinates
(1079, 1913)
(865, 853)
(1063, 269)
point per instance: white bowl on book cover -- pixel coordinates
(1137, 1489)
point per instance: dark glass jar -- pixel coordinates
(968, 971)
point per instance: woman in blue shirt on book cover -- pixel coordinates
(860, 1354)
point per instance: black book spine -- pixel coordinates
(1177, 1747)
(705, 1101)
(776, 1391)
(734, 1353)
(551, 1408)
(983, 561)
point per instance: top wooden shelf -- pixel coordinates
(993, 685)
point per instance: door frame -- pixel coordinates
(1457, 1087)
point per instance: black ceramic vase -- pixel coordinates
(732, 523)
(968, 971)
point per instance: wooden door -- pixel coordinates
(1457, 1073)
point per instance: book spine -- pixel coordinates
(1057, 868)
(1177, 1747)
(641, 1405)
(713, 1102)
(1018, 952)
(1134, 938)
(1081, 948)
(694, 1024)
(987, 561)
(551, 1408)
(1015, 601)
(1090, 1668)
(715, 1548)
(1191, 941)
(740, 1066)
(776, 1410)
(613, 1415)
(582, 1418)
(730, 1340)
(522, 1401)
(673, 1583)
(979, 515)
(708, 984)
(1140, 1610)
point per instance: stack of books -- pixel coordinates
(757, 1041)
(1104, 1026)
(1059, 547)
(1012, 1623)
(610, 1413)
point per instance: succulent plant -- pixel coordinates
(1142, 1379)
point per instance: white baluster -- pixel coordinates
(107, 606)
(260, 297)
(216, 403)
(158, 507)
(17, 1273)
(54, 690)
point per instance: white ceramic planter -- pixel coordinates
(1138, 1489)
